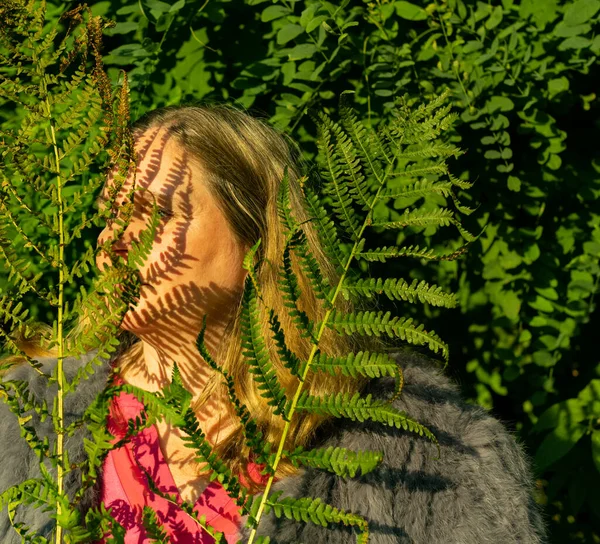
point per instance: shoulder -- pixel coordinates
(478, 491)
(19, 462)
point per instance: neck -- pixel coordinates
(150, 367)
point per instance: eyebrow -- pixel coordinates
(101, 200)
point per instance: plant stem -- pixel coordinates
(59, 363)
(298, 392)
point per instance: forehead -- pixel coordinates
(163, 168)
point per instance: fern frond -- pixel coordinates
(362, 139)
(333, 186)
(140, 250)
(290, 290)
(252, 434)
(359, 408)
(100, 522)
(187, 507)
(399, 289)
(196, 440)
(153, 527)
(377, 322)
(284, 207)
(87, 371)
(18, 269)
(340, 461)
(7, 190)
(289, 359)
(351, 171)
(19, 400)
(363, 363)
(419, 188)
(255, 352)
(381, 254)
(311, 268)
(75, 138)
(36, 491)
(428, 151)
(15, 317)
(438, 169)
(326, 229)
(248, 264)
(155, 403)
(421, 218)
(371, 365)
(82, 265)
(7, 215)
(315, 511)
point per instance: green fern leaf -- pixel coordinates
(363, 138)
(289, 359)
(359, 408)
(309, 264)
(340, 461)
(333, 186)
(350, 170)
(419, 188)
(16, 395)
(254, 349)
(420, 218)
(377, 322)
(326, 229)
(290, 290)
(399, 289)
(248, 264)
(253, 436)
(153, 527)
(139, 251)
(384, 253)
(283, 204)
(196, 440)
(315, 511)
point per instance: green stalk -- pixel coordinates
(59, 422)
(298, 392)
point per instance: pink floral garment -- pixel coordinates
(125, 488)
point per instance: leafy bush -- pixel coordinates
(523, 78)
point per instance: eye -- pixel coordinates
(164, 213)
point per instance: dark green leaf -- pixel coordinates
(274, 12)
(302, 51)
(409, 11)
(557, 444)
(581, 11)
(596, 449)
(288, 32)
(576, 42)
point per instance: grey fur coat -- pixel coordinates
(478, 492)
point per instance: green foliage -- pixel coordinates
(522, 79)
(340, 461)
(315, 511)
(411, 143)
(66, 125)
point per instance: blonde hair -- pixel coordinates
(244, 161)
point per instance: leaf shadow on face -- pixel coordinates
(172, 313)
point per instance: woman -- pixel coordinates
(214, 172)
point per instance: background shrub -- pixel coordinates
(524, 79)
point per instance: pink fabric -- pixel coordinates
(125, 487)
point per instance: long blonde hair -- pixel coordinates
(244, 160)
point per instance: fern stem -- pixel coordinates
(59, 422)
(306, 368)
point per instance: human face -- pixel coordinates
(195, 263)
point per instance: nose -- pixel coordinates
(118, 246)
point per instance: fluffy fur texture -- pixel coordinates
(478, 492)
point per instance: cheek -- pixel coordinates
(217, 254)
